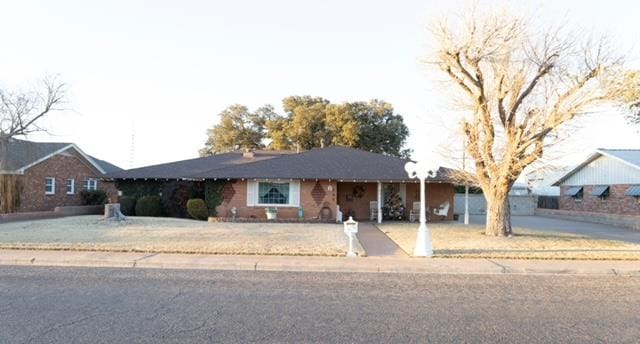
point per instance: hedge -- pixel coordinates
(213, 195)
(197, 209)
(149, 206)
(128, 205)
(93, 197)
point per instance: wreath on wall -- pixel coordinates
(358, 191)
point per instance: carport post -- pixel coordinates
(379, 202)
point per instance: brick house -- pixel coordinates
(53, 174)
(315, 184)
(608, 181)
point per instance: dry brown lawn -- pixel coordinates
(454, 240)
(169, 235)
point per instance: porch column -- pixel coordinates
(379, 202)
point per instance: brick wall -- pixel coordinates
(437, 194)
(352, 205)
(61, 167)
(312, 207)
(616, 203)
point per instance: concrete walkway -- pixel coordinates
(318, 264)
(376, 243)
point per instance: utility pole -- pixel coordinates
(466, 184)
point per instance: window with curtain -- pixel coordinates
(273, 193)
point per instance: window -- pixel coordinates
(90, 184)
(633, 191)
(49, 186)
(268, 193)
(273, 193)
(600, 191)
(577, 192)
(71, 186)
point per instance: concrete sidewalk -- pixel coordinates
(376, 243)
(318, 264)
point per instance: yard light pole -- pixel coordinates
(424, 248)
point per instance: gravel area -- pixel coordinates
(169, 235)
(454, 240)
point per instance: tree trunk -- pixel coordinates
(9, 188)
(498, 217)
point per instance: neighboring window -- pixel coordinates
(577, 192)
(90, 184)
(633, 191)
(600, 191)
(273, 193)
(49, 186)
(71, 186)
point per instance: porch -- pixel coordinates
(378, 201)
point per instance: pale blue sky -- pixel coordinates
(168, 68)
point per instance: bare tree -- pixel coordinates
(521, 85)
(20, 113)
(631, 97)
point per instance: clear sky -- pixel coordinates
(168, 68)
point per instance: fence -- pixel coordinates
(57, 212)
(548, 202)
(520, 204)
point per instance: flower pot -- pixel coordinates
(271, 215)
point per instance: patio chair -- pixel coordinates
(442, 210)
(373, 210)
(414, 214)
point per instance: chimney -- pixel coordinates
(248, 153)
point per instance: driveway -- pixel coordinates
(595, 230)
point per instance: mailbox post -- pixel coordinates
(350, 229)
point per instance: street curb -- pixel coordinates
(317, 264)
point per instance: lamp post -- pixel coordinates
(424, 248)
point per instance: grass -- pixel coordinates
(169, 235)
(453, 240)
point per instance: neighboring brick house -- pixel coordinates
(315, 184)
(53, 174)
(608, 181)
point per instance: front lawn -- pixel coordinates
(454, 240)
(170, 235)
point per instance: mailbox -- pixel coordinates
(350, 226)
(350, 229)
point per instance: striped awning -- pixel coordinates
(573, 191)
(633, 191)
(600, 190)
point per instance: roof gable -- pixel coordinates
(630, 157)
(22, 155)
(623, 162)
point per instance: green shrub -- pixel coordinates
(93, 197)
(197, 209)
(149, 206)
(213, 195)
(128, 205)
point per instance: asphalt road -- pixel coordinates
(83, 305)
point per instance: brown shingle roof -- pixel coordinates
(335, 163)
